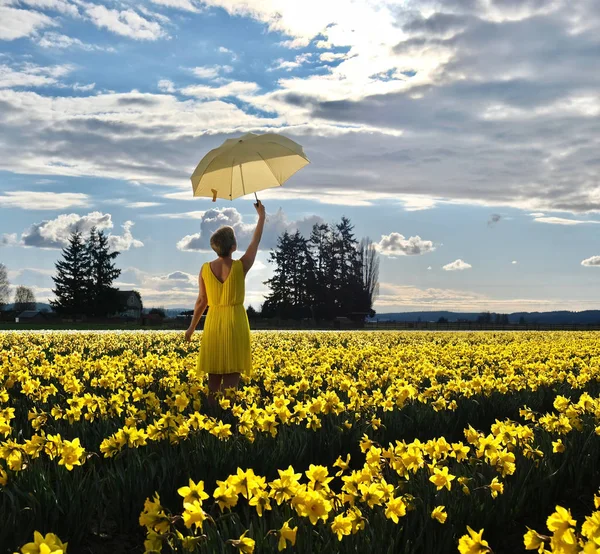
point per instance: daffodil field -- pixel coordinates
(341, 442)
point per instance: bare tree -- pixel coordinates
(370, 269)
(24, 299)
(4, 287)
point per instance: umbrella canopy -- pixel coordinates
(247, 164)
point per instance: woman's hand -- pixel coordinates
(260, 209)
(188, 334)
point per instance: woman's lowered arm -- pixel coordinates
(200, 306)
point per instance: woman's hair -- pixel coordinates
(222, 241)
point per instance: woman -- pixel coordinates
(225, 347)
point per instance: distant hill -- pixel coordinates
(559, 317)
(39, 306)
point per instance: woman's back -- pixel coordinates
(229, 292)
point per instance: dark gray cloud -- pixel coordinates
(438, 24)
(140, 101)
(179, 276)
(510, 118)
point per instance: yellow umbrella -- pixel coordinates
(247, 164)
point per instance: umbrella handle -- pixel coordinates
(256, 197)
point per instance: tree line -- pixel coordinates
(327, 275)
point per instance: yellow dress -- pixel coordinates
(225, 344)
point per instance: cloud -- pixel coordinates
(300, 42)
(84, 88)
(562, 221)
(186, 5)
(8, 239)
(234, 88)
(16, 23)
(34, 200)
(331, 56)
(177, 288)
(165, 85)
(126, 23)
(594, 261)
(275, 225)
(54, 233)
(39, 279)
(131, 136)
(59, 41)
(180, 276)
(394, 297)
(32, 75)
(396, 244)
(211, 72)
(457, 265)
(494, 218)
(139, 205)
(62, 6)
(124, 241)
(288, 65)
(489, 103)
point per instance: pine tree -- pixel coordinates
(277, 302)
(290, 296)
(73, 279)
(320, 246)
(350, 289)
(102, 296)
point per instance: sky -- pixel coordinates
(461, 136)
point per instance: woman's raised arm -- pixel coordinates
(250, 255)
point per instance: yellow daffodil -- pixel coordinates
(473, 543)
(286, 534)
(439, 514)
(193, 491)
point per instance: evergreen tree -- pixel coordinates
(290, 296)
(103, 299)
(321, 252)
(73, 280)
(351, 295)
